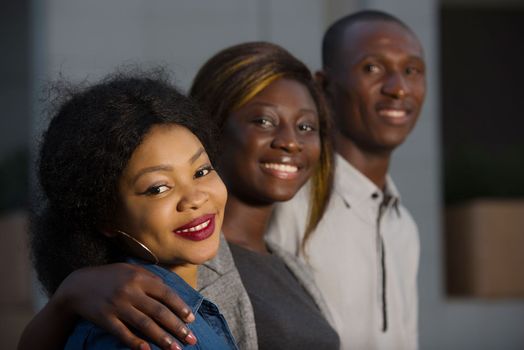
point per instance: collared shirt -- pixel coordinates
(209, 326)
(286, 315)
(219, 281)
(365, 245)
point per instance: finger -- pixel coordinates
(169, 298)
(166, 319)
(147, 293)
(119, 330)
(151, 330)
(151, 284)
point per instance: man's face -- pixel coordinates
(378, 86)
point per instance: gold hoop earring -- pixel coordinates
(138, 248)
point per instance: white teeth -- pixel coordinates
(281, 167)
(196, 228)
(393, 113)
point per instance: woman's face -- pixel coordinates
(171, 199)
(271, 144)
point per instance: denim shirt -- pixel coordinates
(209, 326)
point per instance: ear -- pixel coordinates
(323, 81)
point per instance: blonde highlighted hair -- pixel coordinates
(235, 75)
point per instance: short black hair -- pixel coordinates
(334, 36)
(85, 149)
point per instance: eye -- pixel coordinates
(413, 71)
(371, 68)
(203, 171)
(306, 127)
(264, 122)
(156, 190)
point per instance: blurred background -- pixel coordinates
(460, 173)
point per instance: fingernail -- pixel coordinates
(184, 331)
(175, 346)
(143, 346)
(191, 339)
(169, 342)
(190, 317)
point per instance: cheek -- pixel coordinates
(215, 188)
(256, 139)
(421, 94)
(218, 193)
(239, 146)
(418, 88)
(234, 135)
(313, 149)
(249, 147)
(144, 219)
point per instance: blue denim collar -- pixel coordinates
(191, 297)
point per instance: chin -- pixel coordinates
(199, 259)
(389, 141)
(204, 252)
(286, 192)
(282, 195)
(393, 143)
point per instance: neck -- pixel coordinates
(188, 272)
(373, 164)
(245, 224)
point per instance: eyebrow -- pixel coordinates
(381, 57)
(165, 167)
(267, 104)
(152, 169)
(197, 155)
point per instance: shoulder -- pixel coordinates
(219, 281)
(407, 219)
(87, 336)
(288, 221)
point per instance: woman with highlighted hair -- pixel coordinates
(274, 137)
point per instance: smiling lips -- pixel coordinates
(280, 170)
(394, 116)
(198, 229)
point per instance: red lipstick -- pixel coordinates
(197, 229)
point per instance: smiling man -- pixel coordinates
(364, 253)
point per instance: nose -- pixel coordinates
(192, 199)
(395, 85)
(286, 139)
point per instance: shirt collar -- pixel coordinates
(354, 187)
(223, 261)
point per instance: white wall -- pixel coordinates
(90, 38)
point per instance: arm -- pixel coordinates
(113, 297)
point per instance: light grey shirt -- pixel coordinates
(220, 282)
(365, 244)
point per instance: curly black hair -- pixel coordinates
(85, 149)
